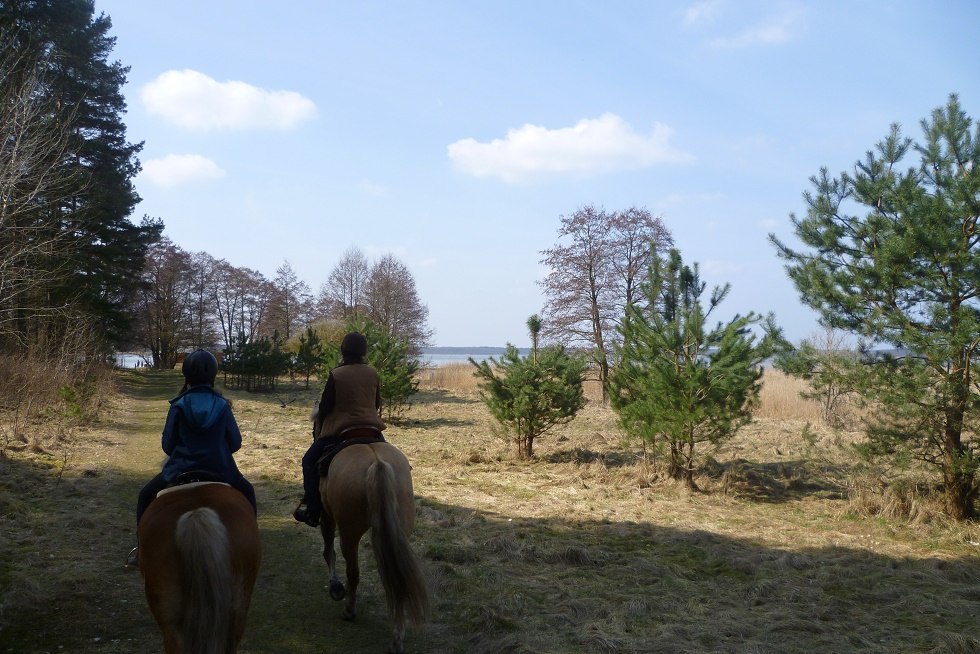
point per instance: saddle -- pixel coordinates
(192, 479)
(347, 437)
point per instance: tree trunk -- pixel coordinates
(958, 472)
(958, 481)
(525, 446)
(604, 377)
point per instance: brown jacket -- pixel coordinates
(351, 398)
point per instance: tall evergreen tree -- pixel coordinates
(894, 256)
(100, 266)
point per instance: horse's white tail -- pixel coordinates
(399, 568)
(202, 542)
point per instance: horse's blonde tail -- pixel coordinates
(202, 543)
(399, 568)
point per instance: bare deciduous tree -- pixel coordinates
(34, 140)
(393, 302)
(204, 315)
(289, 302)
(342, 295)
(163, 306)
(241, 296)
(594, 274)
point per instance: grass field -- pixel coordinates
(791, 547)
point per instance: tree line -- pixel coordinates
(69, 255)
(191, 300)
(79, 280)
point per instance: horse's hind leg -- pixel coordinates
(398, 635)
(348, 547)
(327, 528)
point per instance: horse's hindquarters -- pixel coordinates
(194, 539)
(369, 487)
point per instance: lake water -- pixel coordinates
(437, 360)
(131, 360)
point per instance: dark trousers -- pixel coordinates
(311, 476)
(158, 483)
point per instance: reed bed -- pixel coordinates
(779, 399)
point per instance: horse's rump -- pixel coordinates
(370, 487)
(199, 555)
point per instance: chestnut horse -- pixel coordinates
(369, 486)
(199, 553)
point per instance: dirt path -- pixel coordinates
(69, 589)
(65, 532)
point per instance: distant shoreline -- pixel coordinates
(482, 349)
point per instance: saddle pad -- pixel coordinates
(193, 484)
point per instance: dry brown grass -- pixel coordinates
(779, 400)
(584, 549)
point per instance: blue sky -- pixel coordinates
(455, 134)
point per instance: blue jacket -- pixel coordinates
(201, 434)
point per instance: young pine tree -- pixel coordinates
(680, 385)
(309, 355)
(529, 396)
(892, 254)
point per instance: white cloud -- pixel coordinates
(774, 31)
(703, 12)
(193, 100)
(177, 169)
(592, 146)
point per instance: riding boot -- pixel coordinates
(304, 514)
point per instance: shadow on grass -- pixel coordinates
(433, 423)
(771, 482)
(582, 456)
(560, 585)
(147, 384)
(499, 582)
(286, 394)
(778, 481)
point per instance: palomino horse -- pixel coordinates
(199, 553)
(369, 486)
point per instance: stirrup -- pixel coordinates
(302, 514)
(132, 559)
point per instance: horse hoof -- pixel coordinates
(337, 591)
(347, 615)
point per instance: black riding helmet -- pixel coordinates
(200, 367)
(353, 347)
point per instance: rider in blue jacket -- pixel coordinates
(200, 435)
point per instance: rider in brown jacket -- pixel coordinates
(351, 403)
